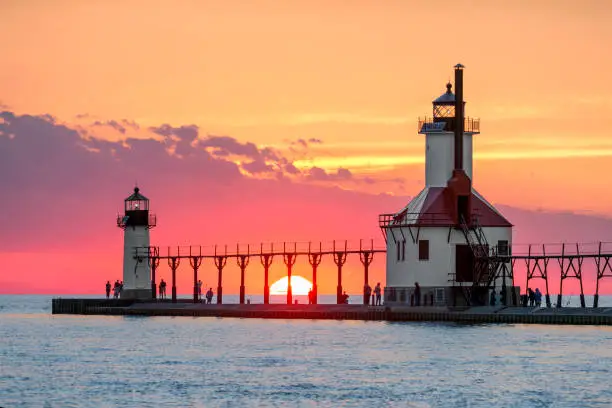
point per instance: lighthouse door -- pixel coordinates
(464, 263)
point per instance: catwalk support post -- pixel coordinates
(545, 275)
(339, 260)
(538, 263)
(220, 261)
(366, 258)
(514, 300)
(289, 258)
(243, 262)
(266, 261)
(571, 267)
(604, 270)
(153, 263)
(504, 288)
(195, 261)
(314, 259)
(173, 262)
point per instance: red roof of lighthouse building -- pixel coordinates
(431, 207)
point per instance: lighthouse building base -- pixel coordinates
(140, 294)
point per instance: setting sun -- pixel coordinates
(299, 286)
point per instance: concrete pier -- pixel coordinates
(485, 314)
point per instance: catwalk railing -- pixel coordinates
(552, 261)
(561, 261)
(243, 253)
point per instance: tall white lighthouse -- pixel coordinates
(448, 238)
(136, 221)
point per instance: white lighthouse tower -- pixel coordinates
(448, 239)
(136, 222)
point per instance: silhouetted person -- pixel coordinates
(209, 296)
(108, 289)
(367, 293)
(417, 294)
(199, 289)
(310, 302)
(162, 289)
(531, 297)
(492, 298)
(345, 297)
(377, 291)
(538, 297)
(116, 289)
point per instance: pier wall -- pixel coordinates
(475, 315)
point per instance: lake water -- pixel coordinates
(108, 361)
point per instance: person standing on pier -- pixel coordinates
(200, 290)
(377, 293)
(108, 289)
(538, 297)
(162, 289)
(531, 297)
(116, 290)
(417, 294)
(209, 296)
(368, 293)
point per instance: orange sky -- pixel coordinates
(354, 74)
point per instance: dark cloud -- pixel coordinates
(344, 174)
(112, 124)
(62, 190)
(290, 168)
(178, 139)
(319, 174)
(303, 143)
(257, 167)
(223, 146)
(227, 145)
(48, 118)
(56, 158)
(130, 123)
(187, 133)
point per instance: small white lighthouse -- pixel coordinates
(136, 221)
(448, 239)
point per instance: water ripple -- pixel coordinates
(84, 361)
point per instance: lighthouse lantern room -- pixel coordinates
(448, 239)
(136, 221)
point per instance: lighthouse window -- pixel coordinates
(397, 247)
(401, 250)
(423, 250)
(136, 205)
(502, 247)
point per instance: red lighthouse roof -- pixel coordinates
(433, 208)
